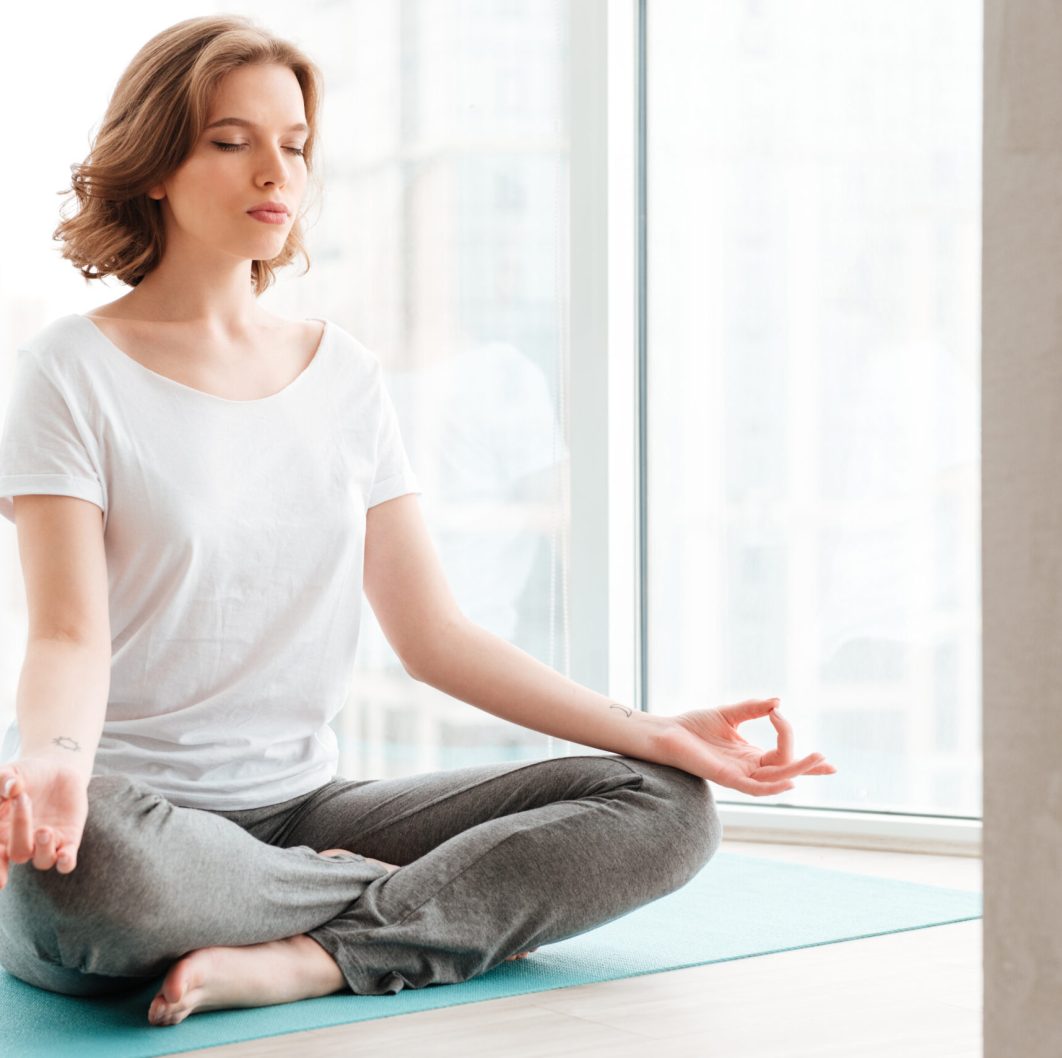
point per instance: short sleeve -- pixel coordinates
(42, 447)
(394, 476)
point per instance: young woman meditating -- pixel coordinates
(202, 491)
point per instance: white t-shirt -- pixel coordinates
(235, 538)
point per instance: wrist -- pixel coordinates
(664, 729)
(61, 755)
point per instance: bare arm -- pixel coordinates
(406, 586)
(62, 692)
(486, 671)
(61, 701)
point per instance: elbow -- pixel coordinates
(436, 648)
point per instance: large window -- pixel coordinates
(813, 300)
(810, 284)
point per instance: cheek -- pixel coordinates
(204, 172)
(205, 188)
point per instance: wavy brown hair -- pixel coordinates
(155, 117)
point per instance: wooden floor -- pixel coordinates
(903, 995)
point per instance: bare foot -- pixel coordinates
(394, 867)
(520, 955)
(382, 863)
(256, 975)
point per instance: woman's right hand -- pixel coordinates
(43, 808)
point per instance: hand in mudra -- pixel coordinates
(56, 806)
(706, 742)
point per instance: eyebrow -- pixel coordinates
(299, 127)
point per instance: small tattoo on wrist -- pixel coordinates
(623, 707)
(66, 743)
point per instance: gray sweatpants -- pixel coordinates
(495, 859)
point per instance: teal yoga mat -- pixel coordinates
(737, 907)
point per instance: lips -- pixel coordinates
(267, 216)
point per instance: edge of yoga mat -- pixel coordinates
(771, 906)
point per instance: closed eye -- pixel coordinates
(236, 146)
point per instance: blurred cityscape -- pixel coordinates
(813, 180)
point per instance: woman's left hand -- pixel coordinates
(706, 742)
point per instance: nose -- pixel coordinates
(274, 168)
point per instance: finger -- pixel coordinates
(8, 783)
(763, 789)
(43, 848)
(789, 771)
(67, 860)
(737, 780)
(822, 769)
(21, 838)
(749, 709)
(785, 734)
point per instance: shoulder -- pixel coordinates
(49, 370)
(55, 346)
(309, 329)
(56, 331)
(360, 359)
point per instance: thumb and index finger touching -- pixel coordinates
(778, 763)
(752, 709)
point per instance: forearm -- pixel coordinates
(474, 665)
(62, 700)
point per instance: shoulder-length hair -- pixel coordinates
(155, 117)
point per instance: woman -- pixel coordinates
(202, 490)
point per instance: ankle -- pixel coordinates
(318, 962)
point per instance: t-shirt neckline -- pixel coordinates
(296, 381)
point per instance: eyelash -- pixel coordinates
(236, 146)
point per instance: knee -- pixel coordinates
(694, 806)
(29, 965)
(115, 877)
(38, 907)
(687, 803)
